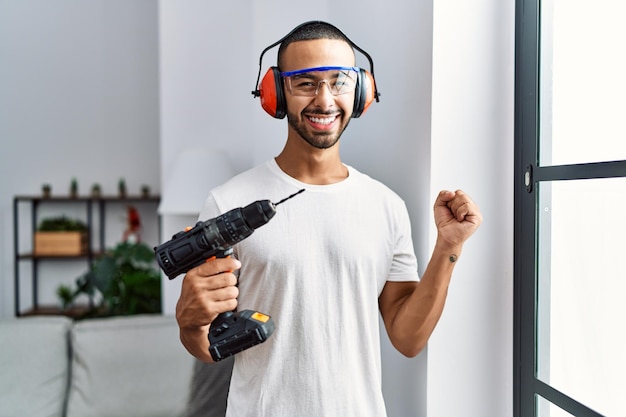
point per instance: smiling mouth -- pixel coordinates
(324, 121)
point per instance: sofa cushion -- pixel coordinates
(34, 366)
(128, 366)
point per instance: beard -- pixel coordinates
(319, 140)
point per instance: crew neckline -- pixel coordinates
(273, 166)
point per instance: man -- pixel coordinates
(329, 261)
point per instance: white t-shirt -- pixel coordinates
(317, 268)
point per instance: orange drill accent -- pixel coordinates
(260, 317)
(215, 257)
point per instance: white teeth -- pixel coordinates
(322, 121)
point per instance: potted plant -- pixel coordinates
(124, 279)
(66, 295)
(46, 190)
(60, 236)
(121, 188)
(74, 188)
(96, 190)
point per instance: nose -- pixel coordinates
(323, 96)
(317, 90)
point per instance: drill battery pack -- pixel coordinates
(232, 333)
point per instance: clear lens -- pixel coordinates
(338, 81)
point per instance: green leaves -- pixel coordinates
(61, 224)
(127, 280)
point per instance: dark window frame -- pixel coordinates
(528, 173)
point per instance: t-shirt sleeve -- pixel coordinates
(404, 262)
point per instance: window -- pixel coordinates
(570, 208)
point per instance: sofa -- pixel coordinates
(127, 366)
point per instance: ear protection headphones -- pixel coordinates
(272, 93)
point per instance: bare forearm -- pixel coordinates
(196, 341)
(411, 311)
(420, 311)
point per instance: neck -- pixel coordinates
(313, 166)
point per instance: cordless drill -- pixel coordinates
(230, 332)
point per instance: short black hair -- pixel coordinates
(311, 31)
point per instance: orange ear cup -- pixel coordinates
(364, 93)
(272, 94)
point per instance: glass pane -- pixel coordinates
(582, 83)
(546, 409)
(581, 291)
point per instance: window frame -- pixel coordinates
(528, 173)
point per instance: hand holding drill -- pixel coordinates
(229, 333)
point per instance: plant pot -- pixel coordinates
(60, 243)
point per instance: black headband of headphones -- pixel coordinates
(257, 93)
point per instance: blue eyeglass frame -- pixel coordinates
(305, 70)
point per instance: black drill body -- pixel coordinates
(229, 333)
(212, 238)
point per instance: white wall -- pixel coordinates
(78, 98)
(470, 355)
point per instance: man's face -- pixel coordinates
(319, 119)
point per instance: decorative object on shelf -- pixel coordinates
(96, 191)
(60, 236)
(74, 188)
(126, 280)
(133, 226)
(66, 295)
(145, 191)
(46, 190)
(121, 188)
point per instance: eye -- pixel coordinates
(343, 83)
(306, 83)
(303, 83)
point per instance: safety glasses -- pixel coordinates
(306, 82)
